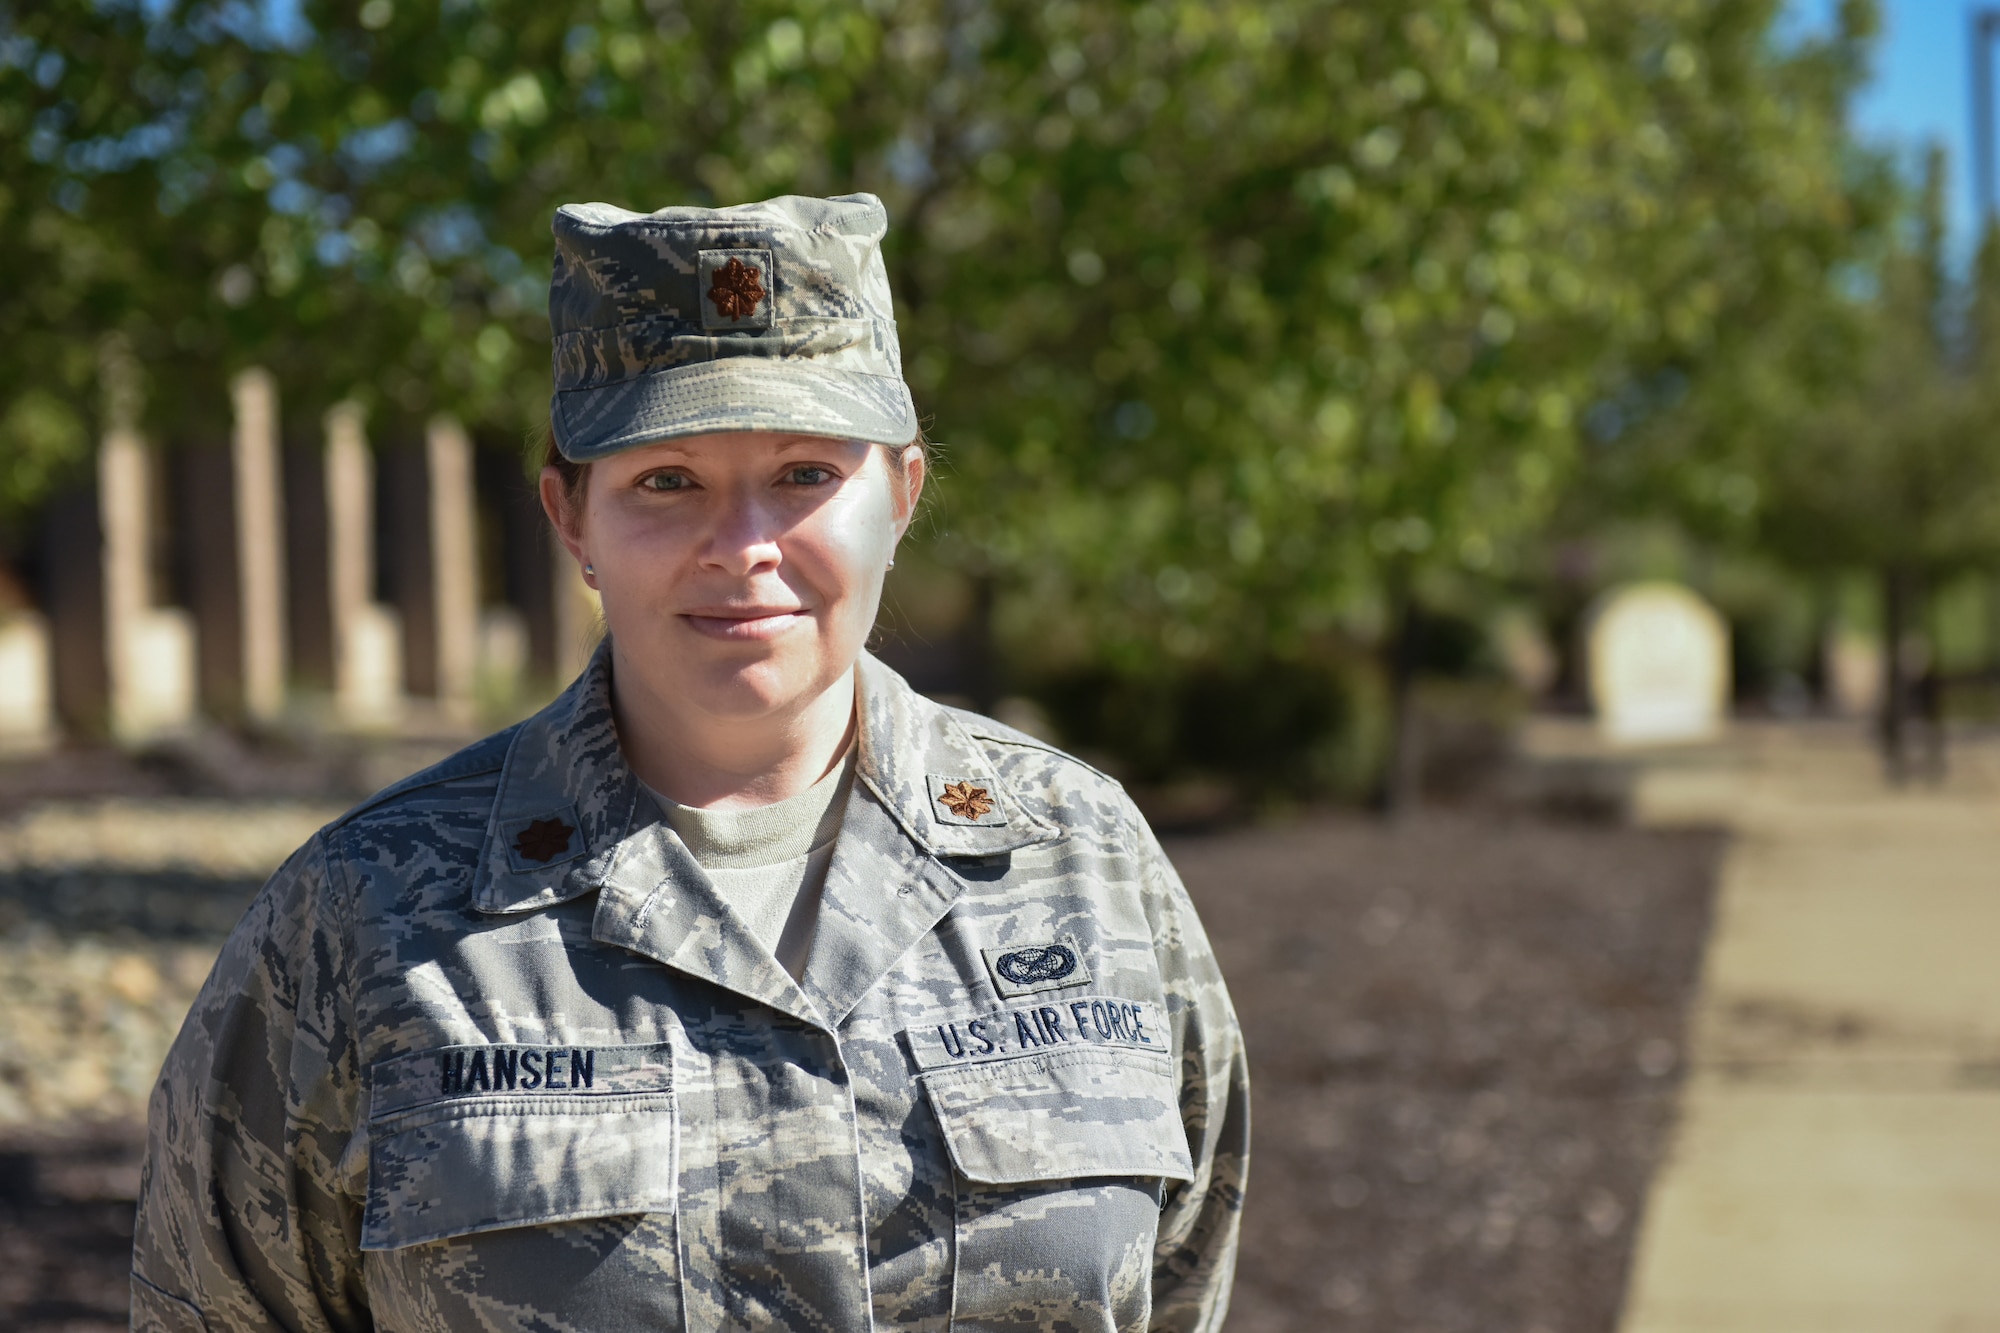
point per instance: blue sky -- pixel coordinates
(1921, 89)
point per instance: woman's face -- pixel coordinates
(741, 571)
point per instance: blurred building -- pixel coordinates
(297, 576)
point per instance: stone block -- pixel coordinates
(1659, 665)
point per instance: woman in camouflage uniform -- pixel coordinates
(742, 987)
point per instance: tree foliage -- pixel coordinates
(1899, 469)
(1237, 319)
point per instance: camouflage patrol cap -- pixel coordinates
(769, 316)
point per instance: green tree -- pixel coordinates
(1247, 326)
(1899, 473)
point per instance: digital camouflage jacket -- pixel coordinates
(489, 1052)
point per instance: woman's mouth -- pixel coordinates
(744, 625)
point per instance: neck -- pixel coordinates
(709, 762)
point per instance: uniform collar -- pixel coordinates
(567, 804)
(915, 755)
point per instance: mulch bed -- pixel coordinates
(1465, 1034)
(1465, 1038)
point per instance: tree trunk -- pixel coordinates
(1402, 773)
(1819, 664)
(1895, 682)
(1930, 686)
(1992, 635)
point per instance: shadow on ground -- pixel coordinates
(1465, 1034)
(142, 905)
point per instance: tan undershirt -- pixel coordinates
(770, 861)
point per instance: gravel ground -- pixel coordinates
(110, 914)
(1464, 1034)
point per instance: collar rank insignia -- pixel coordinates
(544, 840)
(969, 801)
(965, 800)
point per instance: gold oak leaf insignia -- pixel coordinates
(965, 800)
(736, 290)
(543, 840)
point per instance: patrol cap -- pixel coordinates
(769, 316)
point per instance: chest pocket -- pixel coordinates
(1062, 1158)
(1065, 1115)
(482, 1138)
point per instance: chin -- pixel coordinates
(746, 689)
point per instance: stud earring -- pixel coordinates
(892, 562)
(589, 568)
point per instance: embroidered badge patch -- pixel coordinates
(736, 289)
(965, 800)
(1025, 969)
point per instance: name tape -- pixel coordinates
(455, 1072)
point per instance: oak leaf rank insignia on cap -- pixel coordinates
(738, 289)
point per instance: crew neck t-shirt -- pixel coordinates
(769, 862)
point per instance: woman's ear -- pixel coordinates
(910, 466)
(566, 516)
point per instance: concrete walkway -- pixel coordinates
(1837, 1163)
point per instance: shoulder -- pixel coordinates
(446, 805)
(1054, 784)
(1001, 739)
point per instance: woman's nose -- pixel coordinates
(744, 539)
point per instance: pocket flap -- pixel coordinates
(449, 1155)
(1067, 1115)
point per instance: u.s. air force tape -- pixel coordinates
(1066, 1024)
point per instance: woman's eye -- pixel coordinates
(809, 475)
(664, 481)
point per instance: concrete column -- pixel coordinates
(260, 548)
(454, 566)
(27, 700)
(150, 652)
(367, 636)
